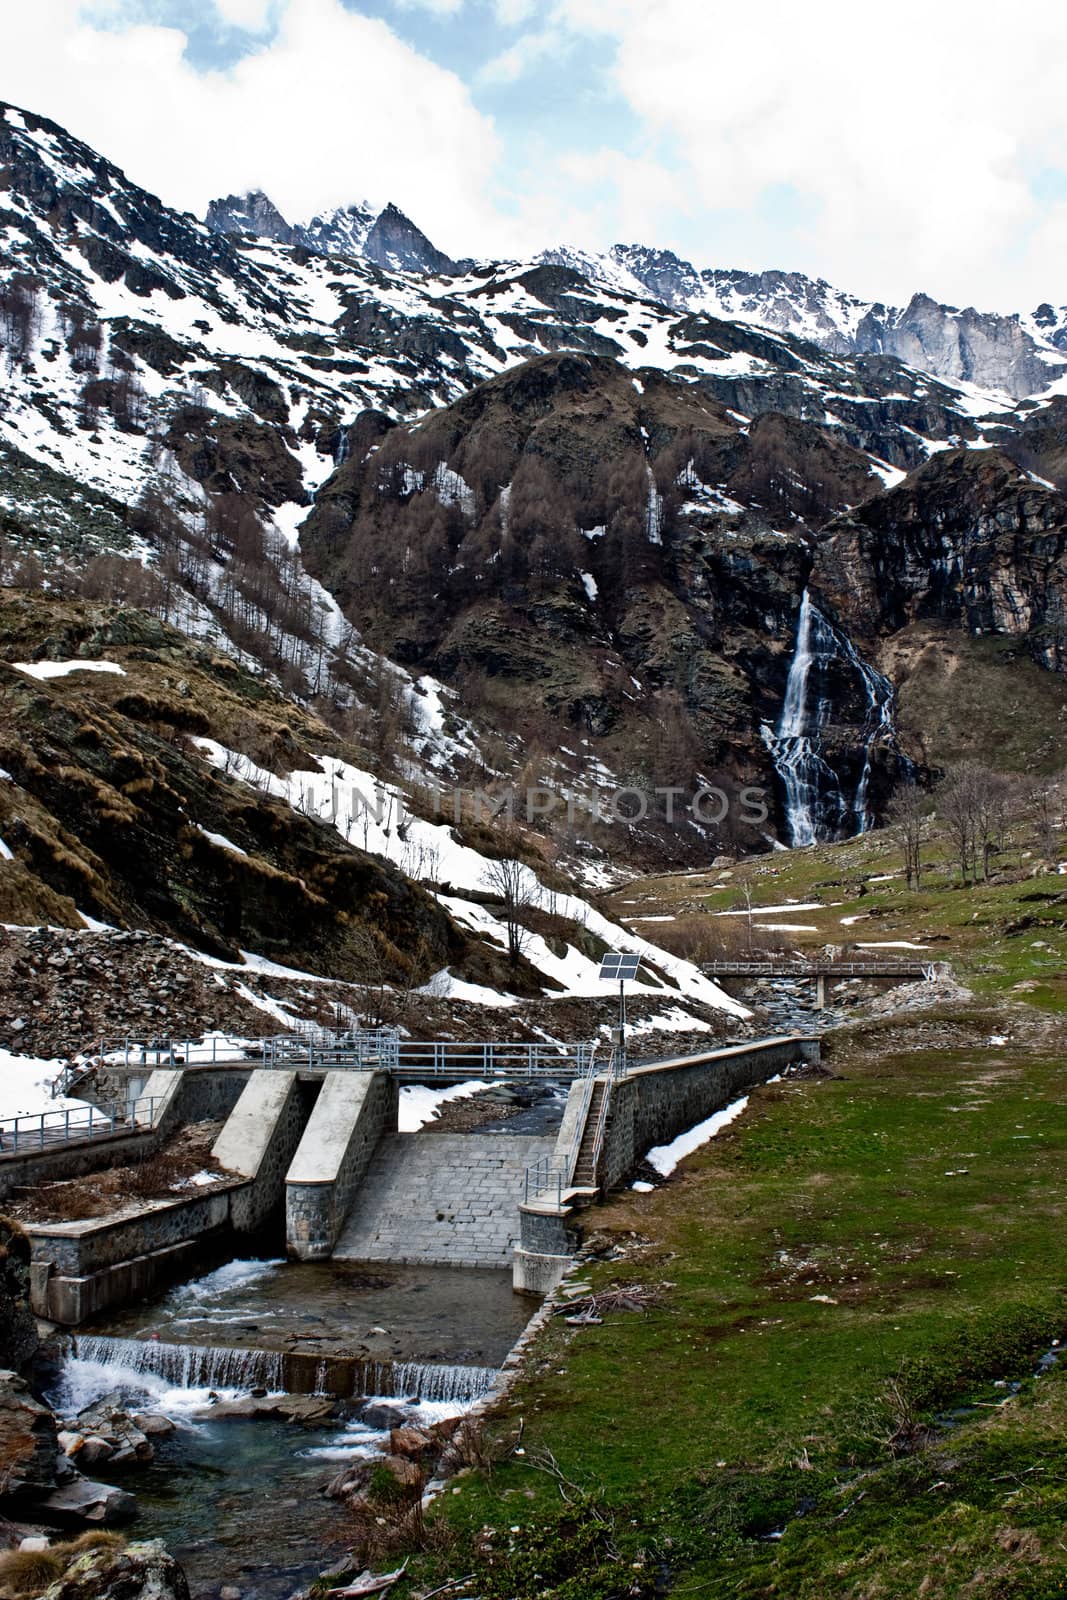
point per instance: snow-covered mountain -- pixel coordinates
(1017, 355)
(383, 234)
(625, 529)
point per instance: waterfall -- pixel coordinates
(408, 1379)
(186, 1366)
(109, 1363)
(818, 803)
(344, 446)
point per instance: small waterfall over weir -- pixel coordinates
(200, 1367)
(822, 803)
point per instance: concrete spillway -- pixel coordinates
(441, 1199)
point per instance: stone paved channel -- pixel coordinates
(449, 1199)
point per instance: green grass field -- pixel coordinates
(1007, 937)
(816, 1406)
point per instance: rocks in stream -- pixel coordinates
(106, 1432)
(28, 1439)
(308, 1409)
(142, 1571)
(81, 1500)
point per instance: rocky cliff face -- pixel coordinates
(592, 557)
(969, 539)
(249, 213)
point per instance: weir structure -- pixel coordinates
(314, 1135)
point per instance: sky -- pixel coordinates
(921, 147)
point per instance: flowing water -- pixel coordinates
(239, 1501)
(820, 802)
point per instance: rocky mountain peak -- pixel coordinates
(395, 242)
(253, 213)
(385, 236)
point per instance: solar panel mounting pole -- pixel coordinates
(622, 1025)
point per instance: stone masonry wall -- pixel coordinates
(655, 1104)
(259, 1141)
(441, 1199)
(353, 1112)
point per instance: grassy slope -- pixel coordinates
(922, 1195)
(918, 1193)
(998, 936)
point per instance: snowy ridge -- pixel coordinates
(373, 816)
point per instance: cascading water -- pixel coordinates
(186, 1366)
(819, 802)
(100, 1362)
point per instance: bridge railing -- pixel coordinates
(819, 969)
(380, 1049)
(44, 1130)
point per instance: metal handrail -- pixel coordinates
(801, 968)
(601, 1126)
(43, 1130)
(379, 1049)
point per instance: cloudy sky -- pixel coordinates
(922, 146)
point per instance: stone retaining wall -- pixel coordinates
(78, 1269)
(649, 1107)
(654, 1104)
(353, 1111)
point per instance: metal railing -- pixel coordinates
(548, 1176)
(132, 1052)
(380, 1049)
(818, 969)
(541, 1179)
(46, 1129)
(366, 1049)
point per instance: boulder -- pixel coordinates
(408, 1474)
(409, 1441)
(82, 1500)
(153, 1424)
(94, 1450)
(384, 1414)
(29, 1443)
(136, 1572)
(306, 1408)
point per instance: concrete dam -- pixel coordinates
(322, 1147)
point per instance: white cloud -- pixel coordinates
(510, 13)
(438, 8)
(334, 106)
(250, 14)
(911, 141)
(511, 64)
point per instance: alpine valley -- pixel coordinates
(330, 513)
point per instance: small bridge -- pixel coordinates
(818, 971)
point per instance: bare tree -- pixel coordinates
(974, 803)
(516, 886)
(909, 824)
(1044, 802)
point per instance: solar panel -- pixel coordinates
(617, 965)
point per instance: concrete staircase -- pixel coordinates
(445, 1199)
(584, 1177)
